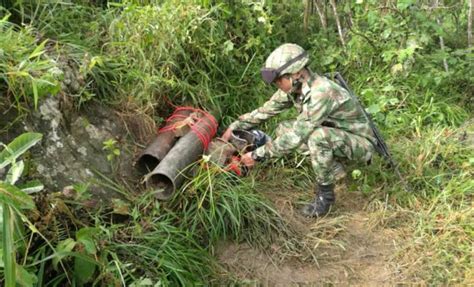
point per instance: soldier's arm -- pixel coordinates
(321, 105)
(279, 102)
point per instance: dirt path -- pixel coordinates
(348, 249)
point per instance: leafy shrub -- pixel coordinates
(26, 72)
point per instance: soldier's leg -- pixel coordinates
(284, 127)
(287, 126)
(325, 145)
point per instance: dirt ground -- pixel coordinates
(349, 249)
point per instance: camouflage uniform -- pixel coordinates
(330, 125)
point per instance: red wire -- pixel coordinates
(234, 166)
(204, 127)
(205, 133)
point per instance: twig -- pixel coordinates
(392, 9)
(339, 28)
(371, 43)
(469, 24)
(322, 17)
(307, 12)
(441, 39)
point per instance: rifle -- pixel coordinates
(380, 146)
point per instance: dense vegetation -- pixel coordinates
(409, 61)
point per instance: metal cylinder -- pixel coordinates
(243, 140)
(169, 175)
(161, 144)
(220, 151)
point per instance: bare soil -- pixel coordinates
(349, 249)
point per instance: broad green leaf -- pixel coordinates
(82, 190)
(403, 4)
(393, 101)
(8, 247)
(17, 147)
(35, 93)
(228, 47)
(25, 278)
(372, 17)
(45, 86)
(83, 269)
(86, 237)
(386, 33)
(12, 195)
(63, 250)
(373, 109)
(368, 93)
(15, 172)
(356, 174)
(39, 50)
(95, 60)
(31, 187)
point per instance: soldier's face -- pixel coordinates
(284, 83)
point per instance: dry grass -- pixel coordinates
(137, 121)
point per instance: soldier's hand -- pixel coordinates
(227, 134)
(247, 160)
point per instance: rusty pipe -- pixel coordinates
(160, 146)
(170, 173)
(220, 152)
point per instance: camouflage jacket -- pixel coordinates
(322, 103)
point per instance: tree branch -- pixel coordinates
(441, 39)
(320, 11)
(469, 24)
(338, 23)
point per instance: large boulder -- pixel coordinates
(73, 148)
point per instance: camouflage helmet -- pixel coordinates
(286, 59)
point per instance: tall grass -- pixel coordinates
(193, 59)
(218, 205)
(26, 72)
(156, 250)
(438, 166)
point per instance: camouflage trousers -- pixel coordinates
(326, 146)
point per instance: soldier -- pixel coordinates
(330, 125)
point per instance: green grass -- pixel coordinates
(218, 205)
(26, 72)
(436, 214)
(158, 250)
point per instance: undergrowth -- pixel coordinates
(437, 209)
(26, 72)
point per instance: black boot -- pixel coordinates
(320, 206)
